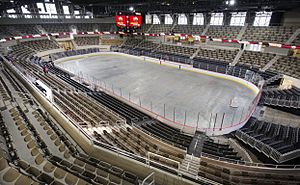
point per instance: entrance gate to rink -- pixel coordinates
(217, 123)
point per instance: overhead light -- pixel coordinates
(131, 8)
(230, 2)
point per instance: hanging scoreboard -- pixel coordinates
(128, 22)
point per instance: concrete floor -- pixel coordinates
(151, 83)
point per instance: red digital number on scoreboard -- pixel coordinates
(121, 20)
(135, 20)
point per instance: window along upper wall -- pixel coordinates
(51, 9)
(26, 12)
(216, 19)
(66, 12)
(156, 19)
(11, 13)
(168, 19)
(148, 19)
(77, 14)
(198, 19)
(47, 10)
(238, 18)
(262, 19)
(182, 19)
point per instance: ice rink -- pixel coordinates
(181, 96)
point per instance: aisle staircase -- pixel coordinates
(242, 31)
(293, 37)
(269, 64)
(205, 29)
(237, 58)
(41, 29)
(190, 165)
(196, 145)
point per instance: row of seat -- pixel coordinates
(255, 59)
(40, 45)
(284, 97)
(69, 53)
(189, 29)
(132, 42)
(32, 157)
(21, 52)
(287, 65)
(90, 169)
(181, 50)
(284, 139)
(148, 45)
(220, 150)
(167, 133)
(137, 142)
(111, 42)
(228, 32)
(129, 113)
(217, 54)
(11, 175)
(225, 173)
(83, 41)
(279, 34)
(5, 95)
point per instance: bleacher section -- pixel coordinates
(132, 42)
(40, 45)
(287, 65)
(255, 59)
(86, 27)
(39, 151)
(221, 150)
(233, 173)
(284, 98)
(135, 141)
(148, 45)
(145, 28)
(21, 52)
(277, 34)
(112, 42)
(57, 28)
(228, 32)
(176, 50)
(280, 143)
(217, 54)
(83, 41)
(68, 53)
(189, 29)
(161, 28)
(170, 134)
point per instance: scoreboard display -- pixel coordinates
(128, 22)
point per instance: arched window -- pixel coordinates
(262, 19)
(168, 19)
(198, 19)
(238, 18)
(182, 20)
(156, 19)
(216, 19)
